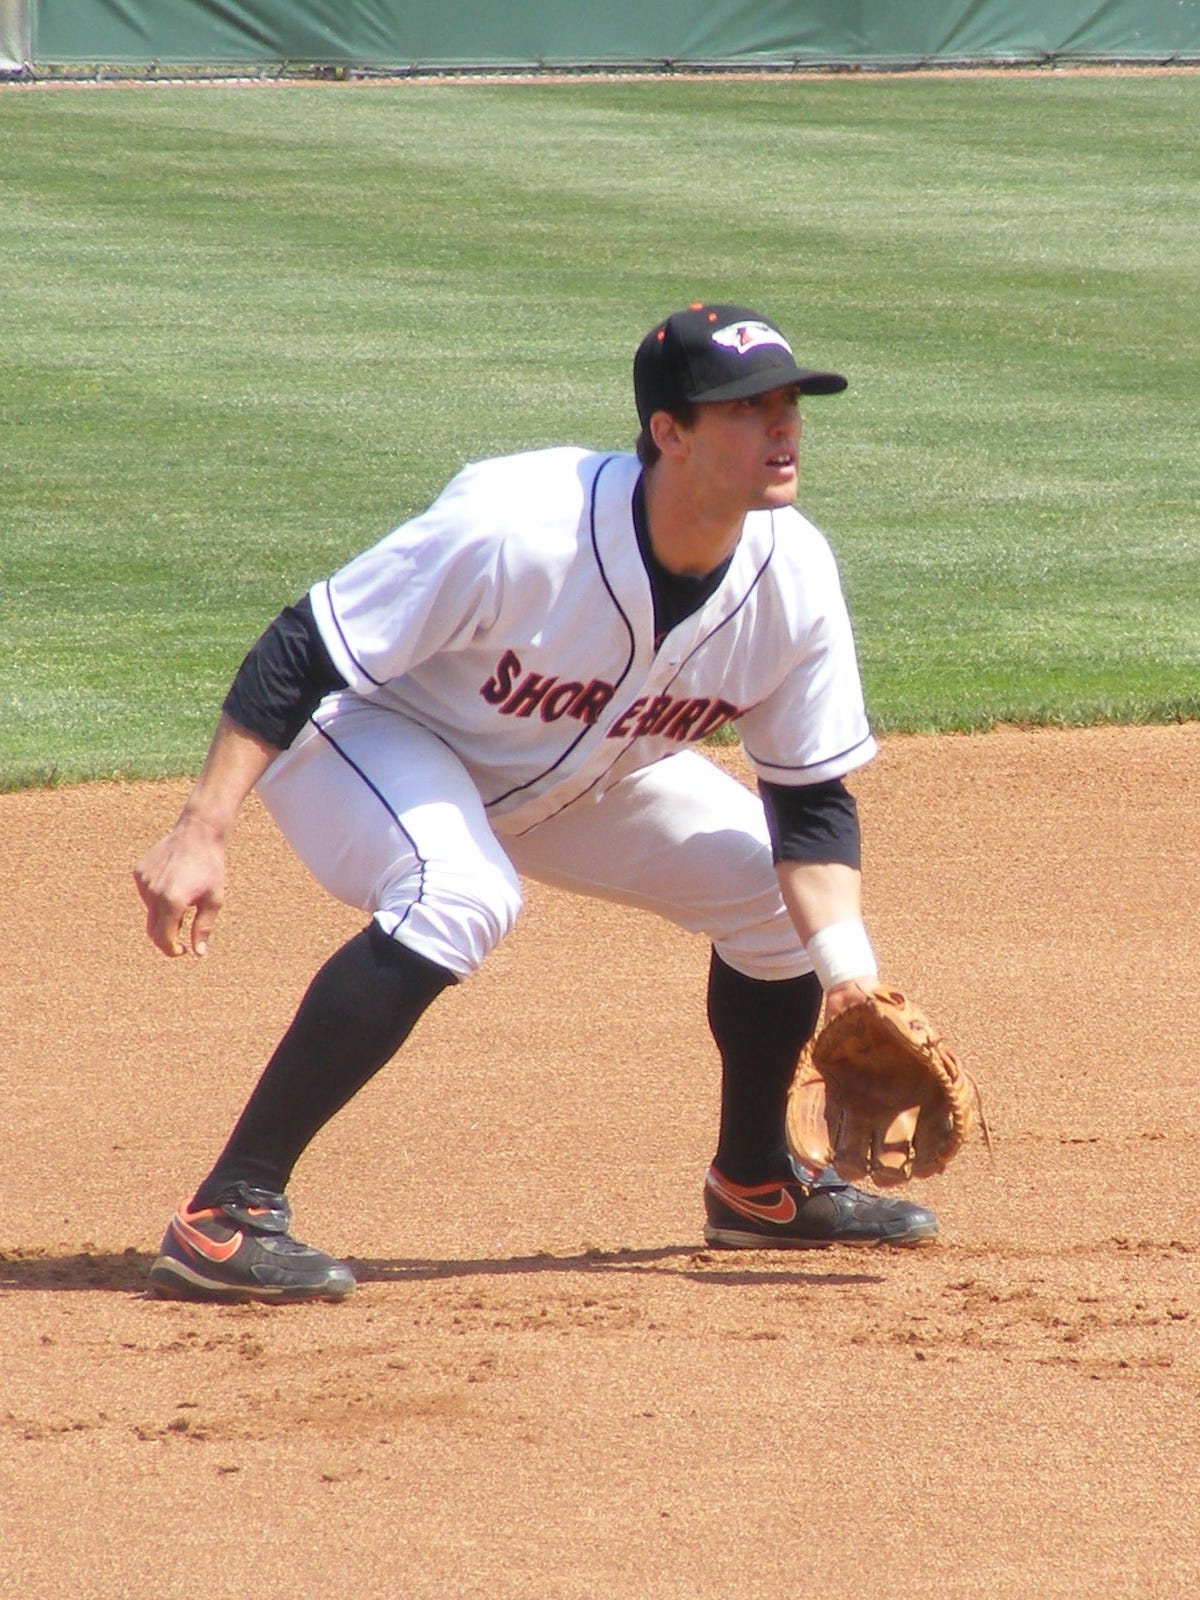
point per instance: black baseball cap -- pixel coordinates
(717, 353)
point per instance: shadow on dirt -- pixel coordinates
(125, 1271)
(84, 1269)
(684, 1261)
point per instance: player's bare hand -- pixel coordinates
(843, 995)
(184, 872)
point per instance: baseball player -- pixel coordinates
(519, 682)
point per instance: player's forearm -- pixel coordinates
(824, 900)
(235, 762)
(818, 893)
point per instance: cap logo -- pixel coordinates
(746, 336)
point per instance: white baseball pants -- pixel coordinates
(387, 819)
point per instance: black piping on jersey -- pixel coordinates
(708, 637)
(625, 670)
(378, 682)
(695, 650)
(780, 766)
(383, 801)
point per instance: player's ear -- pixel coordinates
(668, 433)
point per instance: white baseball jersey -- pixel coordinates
(514, 620)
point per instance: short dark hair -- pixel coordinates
(684, 413)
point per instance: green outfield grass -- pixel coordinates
(246, 330)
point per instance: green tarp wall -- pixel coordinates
(16, 44)
(456, 34)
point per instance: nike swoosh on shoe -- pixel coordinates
(216, 1250)
(781, 1212)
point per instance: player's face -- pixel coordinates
(748, 451)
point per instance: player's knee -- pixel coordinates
(455, 915)
(488, 905)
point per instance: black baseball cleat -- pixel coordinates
(808, 1212)
(241, 1249)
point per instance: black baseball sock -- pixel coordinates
(760, 1029)
(358, 1011)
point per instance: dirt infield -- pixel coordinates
(546, 1386)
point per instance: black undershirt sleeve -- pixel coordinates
(285, 675)
(815, 822)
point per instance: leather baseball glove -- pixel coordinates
(878, 1094)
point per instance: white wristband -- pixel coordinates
(841, 951)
